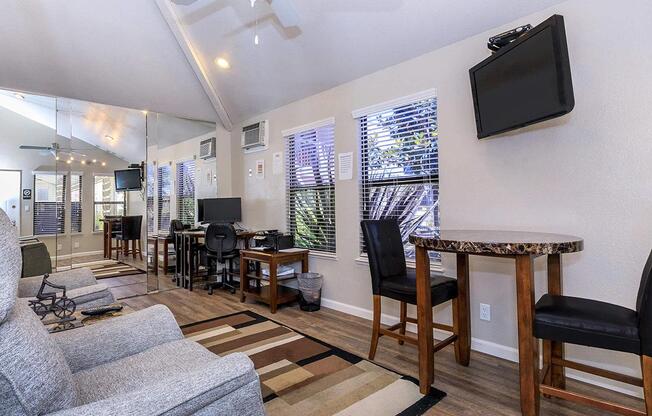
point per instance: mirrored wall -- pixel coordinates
(93, 185)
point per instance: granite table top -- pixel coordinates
(502, 243)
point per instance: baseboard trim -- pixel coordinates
(75, 255)
(490, 348)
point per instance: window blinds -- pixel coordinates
(399, 163)
(310, 187)
(164, 193)
(49, 203)
(107, 201)
(75, 203)
(186, 191)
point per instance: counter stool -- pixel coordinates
(579, 321)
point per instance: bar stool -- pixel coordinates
(565, 319)
(130, 230)
(391, 278)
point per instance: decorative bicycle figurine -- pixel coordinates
(48, 302)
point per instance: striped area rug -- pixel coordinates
(301, 375)
(103, 269)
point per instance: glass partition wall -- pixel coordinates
(58, 159)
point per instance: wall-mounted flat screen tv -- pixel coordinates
(525, 82)
(128, 180)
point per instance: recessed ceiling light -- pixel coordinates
(111, 138)
(19, 96)
(83, 162)
(72, 158)
(68, 161)
(222, 63)
(103, 163)
(144, 112)
(94, 160)
(57, 158)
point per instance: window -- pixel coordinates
(164, 192)
(49, 203)
(310, 186)
(151, 217)
(75, 203)
(107, 201)
(186, 191)
(399, 167)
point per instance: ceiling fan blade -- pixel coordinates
(29, 147)
(286, 12)
(183, 2)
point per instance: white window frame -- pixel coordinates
(365, 183)
(329, 248)
(99, 202)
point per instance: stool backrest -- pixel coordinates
(644, 308)
(131, 227)
(384, 249)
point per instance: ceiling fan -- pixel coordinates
(284, 10)
(54, 149)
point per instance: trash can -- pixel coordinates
(310, 291)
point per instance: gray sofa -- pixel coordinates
(136, 364)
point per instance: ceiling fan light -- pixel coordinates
(256, 39)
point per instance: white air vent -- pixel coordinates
(207, 148)
(255, 136)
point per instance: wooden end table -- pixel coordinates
(273, 294)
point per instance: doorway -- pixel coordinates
(10, 193)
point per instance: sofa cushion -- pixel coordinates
(34, 376)
(151, 366)
(11, 262)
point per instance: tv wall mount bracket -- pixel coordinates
(503, 39)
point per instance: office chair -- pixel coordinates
(220, 247)
(175, 226)
(130, 230)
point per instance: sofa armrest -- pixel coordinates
(228, 385)
(72, 279)
(119, 337)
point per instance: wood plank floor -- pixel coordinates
(489, 386)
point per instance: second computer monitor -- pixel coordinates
(227, 210)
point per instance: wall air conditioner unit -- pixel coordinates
(207, 148)
(255, 137)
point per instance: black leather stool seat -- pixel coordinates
(587, 322)
(404, 288)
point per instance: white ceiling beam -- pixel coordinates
(167, 10)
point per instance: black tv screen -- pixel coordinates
(222, 210)
(523, 83)
(127, 180)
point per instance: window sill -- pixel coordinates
(323, 255)
(435, 266)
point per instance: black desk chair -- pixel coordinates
(130, 230)
(565, 319)
(220, 247)
(175, 227)
(391, 278)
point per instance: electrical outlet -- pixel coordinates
(485, 312)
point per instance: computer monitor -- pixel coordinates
(227, 210)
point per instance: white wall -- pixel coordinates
(585, 174)
(218, 169)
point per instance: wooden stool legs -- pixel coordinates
(403, 322)
(375, 333)
(646, 369)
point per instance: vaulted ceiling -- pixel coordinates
(122, 52)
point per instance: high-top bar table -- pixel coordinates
(524, 247)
